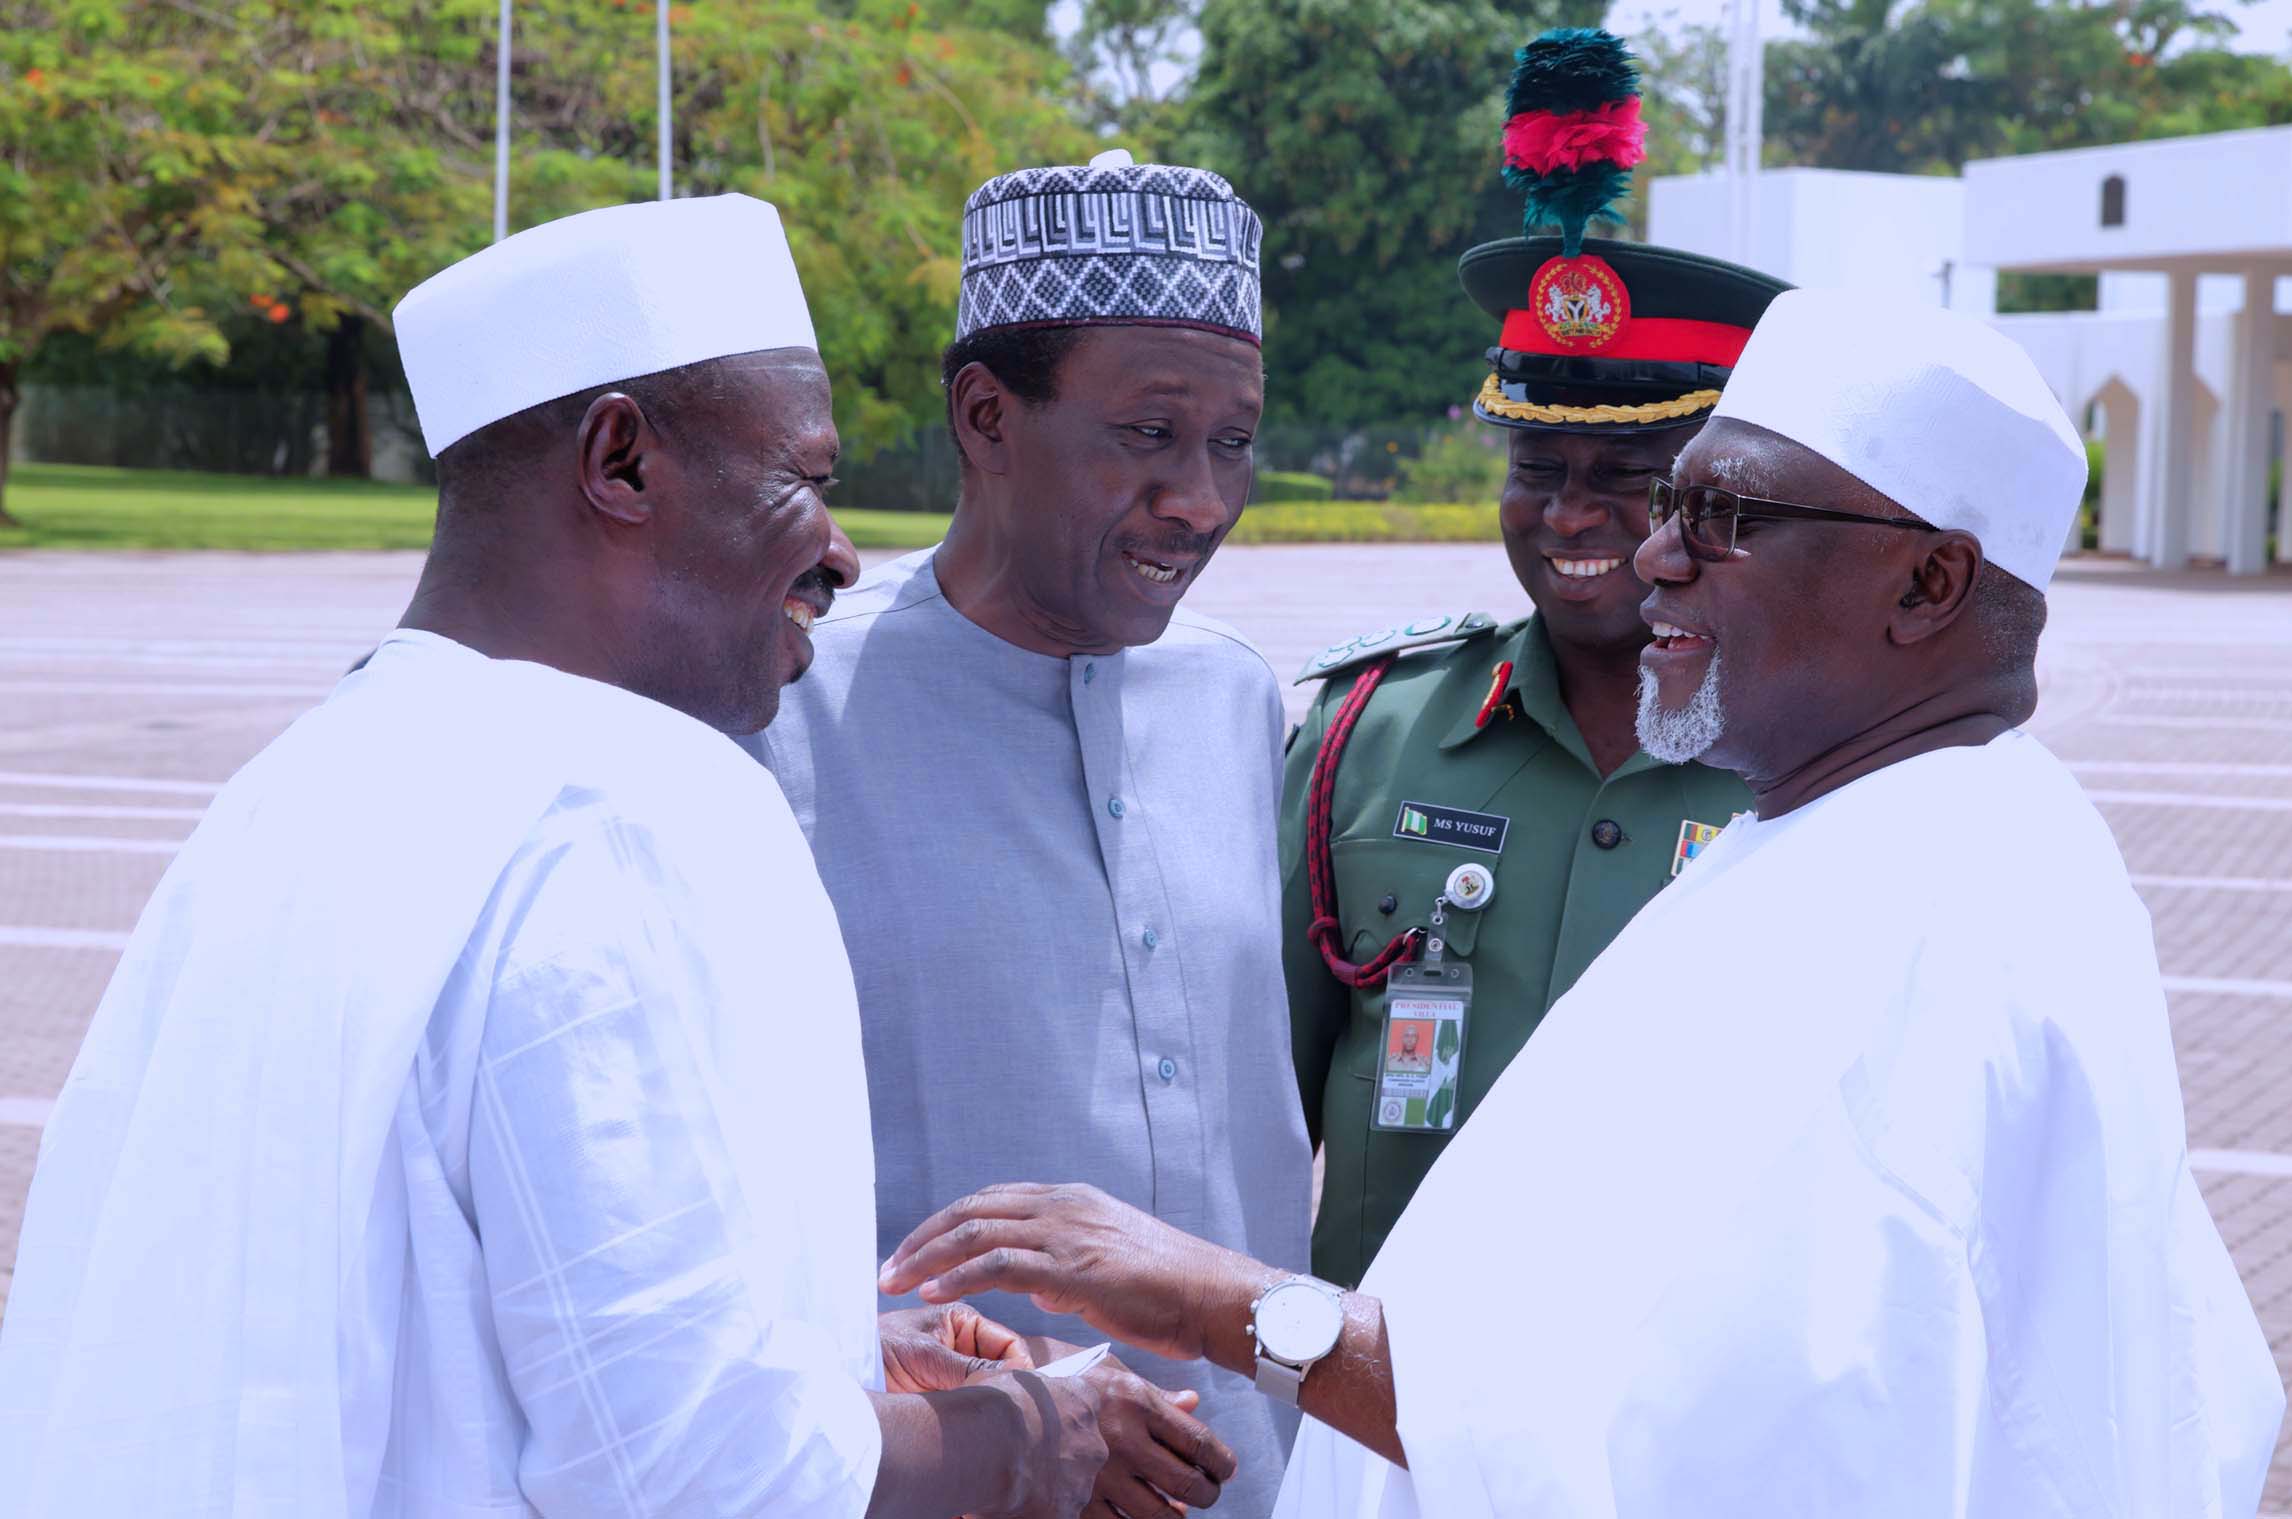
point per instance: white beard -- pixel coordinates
(1675, 737)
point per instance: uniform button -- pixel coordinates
(1114, 806)
(1150, 938)
(1168, 1069)
(1387, 903)
(1089, 673)
(1607, 833)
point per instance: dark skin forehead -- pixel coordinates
(775, 403)
(1803, 565)
(1653, 448)
(1127, 368)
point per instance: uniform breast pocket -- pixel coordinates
(1409, 875)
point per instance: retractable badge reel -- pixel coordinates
(1426, 1002)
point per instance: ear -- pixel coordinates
(981, 410)
(610, 453)
(1941, 587)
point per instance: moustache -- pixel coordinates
(1174, 545)
(819, 580)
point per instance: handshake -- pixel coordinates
(1098, 1439)
(1102, 1442)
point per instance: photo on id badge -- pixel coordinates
(1418, 1057)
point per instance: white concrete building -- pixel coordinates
(2186, 368)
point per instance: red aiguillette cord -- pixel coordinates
(1320, 871)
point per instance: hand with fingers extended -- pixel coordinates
(1075, 1250)
(1160, 1459)
(935, 1349)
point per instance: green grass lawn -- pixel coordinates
(81, 507)
(71, 506)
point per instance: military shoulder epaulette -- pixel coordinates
(1339, 657)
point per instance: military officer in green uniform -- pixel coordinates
(1466, 802)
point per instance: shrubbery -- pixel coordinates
(1454, 466)
(1290, 485)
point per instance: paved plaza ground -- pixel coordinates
(131, 686)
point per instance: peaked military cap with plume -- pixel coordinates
(1599, 335)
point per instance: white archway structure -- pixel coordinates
(2117, 407)
(2210, 220)
(2191, 349)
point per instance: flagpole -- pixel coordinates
(501, 130)
(1746, 92)
(661, 41)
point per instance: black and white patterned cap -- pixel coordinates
(1109, 242)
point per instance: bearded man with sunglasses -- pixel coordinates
(1853, 1177)
(1480, 780)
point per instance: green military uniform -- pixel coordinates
(1459, 776)
(1580, 854)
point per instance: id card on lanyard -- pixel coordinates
(1422, 1052)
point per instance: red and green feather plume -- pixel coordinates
(1572, 131)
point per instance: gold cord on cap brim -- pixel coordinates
(1496, 403)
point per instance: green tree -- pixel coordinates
(1366, 134)
(1923, 88)
(181, 176)
(364, 176)
(1875, 86)
(121, 168)
(174, 174)
(1125, 52)
(867, 122)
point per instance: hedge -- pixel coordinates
(1290, 485)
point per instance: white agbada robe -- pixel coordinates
(1851, 1179)
(470, 1126)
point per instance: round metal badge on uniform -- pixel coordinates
(1470, 887)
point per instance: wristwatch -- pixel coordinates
(1296, 1322)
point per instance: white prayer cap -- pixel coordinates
(1941, 413)
(591, 299)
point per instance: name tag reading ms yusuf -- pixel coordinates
(1423, 1049)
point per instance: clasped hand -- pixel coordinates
(1158, 1454)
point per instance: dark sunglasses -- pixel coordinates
(1709, 514)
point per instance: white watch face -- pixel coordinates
(1298, 1322)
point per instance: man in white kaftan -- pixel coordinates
(1852, 1177)
(1850, 1183)
(426, 1154)
(493, 989)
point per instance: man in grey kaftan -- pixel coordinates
(1042, 797)
(1057, 885)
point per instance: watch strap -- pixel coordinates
(1279, 1380)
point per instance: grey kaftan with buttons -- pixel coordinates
(1057, 884)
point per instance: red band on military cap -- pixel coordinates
(1665, 338)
